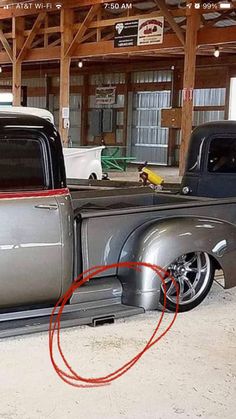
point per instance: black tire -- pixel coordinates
(192, 290)
(93, 176)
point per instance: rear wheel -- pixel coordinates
(194, 274)
(93, 176)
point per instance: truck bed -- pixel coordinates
(124, 198)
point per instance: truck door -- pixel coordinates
(218, 179)
(30, 234)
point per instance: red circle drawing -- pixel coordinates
(71, 377)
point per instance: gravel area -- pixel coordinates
(191, 373)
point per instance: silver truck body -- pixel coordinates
(48, 237)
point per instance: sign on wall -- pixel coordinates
(106, 95)
(139, 32)
(150, 31)
(126, 34)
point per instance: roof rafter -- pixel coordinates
(6, 45)
(168, 16)
(31, 36)
(82, 29)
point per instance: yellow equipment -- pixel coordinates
(152, 177)
(148, 176)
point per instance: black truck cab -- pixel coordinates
(211, 161)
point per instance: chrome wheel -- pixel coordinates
(193, 274)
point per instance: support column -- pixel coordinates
(67, 19)
(18, 41)
(176, 86)
(193, 23)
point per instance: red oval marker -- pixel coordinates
(71, 377)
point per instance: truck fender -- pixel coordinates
(160, 242)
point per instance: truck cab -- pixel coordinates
(36, 230)
(211, 161)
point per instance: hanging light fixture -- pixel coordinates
(216, 52)
(80, 64)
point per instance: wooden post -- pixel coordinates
(67, 20)
(126, 108)
(193, 23)
(18, 41)
(174, 104)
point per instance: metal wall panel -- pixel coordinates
(6, 82)
(200, 117)
(36, 101)
(75, 120)
(149, 141)
(209, 97)
(107, 79)
(155, 76)
(34, 82)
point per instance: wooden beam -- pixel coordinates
(81, 31)
(18, 25)
(67, 18)
(31, 36)
(6, 45)
(45, 43)
(111, 22)
(216, 36)
(168, 16)
(88, 36)
(193, 23)
(55, 43)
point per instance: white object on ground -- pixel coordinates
(83, 163)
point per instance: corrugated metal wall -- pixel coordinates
(155, 76)
(75, 109)
(146, 139)
(204, 98)
(149, 141)
(37, 101)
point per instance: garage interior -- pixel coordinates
(41, 54)
(63, 55)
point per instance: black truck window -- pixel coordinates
(222, 155)
(21, 165)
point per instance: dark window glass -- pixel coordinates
(194, 155)
(21, 165)
(222, 155)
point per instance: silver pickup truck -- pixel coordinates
(49, 234)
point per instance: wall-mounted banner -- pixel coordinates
(139, 32)
(150, 31)
(126, 34)
(106, 95)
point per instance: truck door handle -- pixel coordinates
(47, 206)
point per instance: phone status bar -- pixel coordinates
(224, 5)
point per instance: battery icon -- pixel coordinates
(225, 6)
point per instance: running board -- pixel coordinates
(73, 315)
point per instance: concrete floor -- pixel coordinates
(170, 174)
(190, 374)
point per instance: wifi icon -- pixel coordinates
(58, 6)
